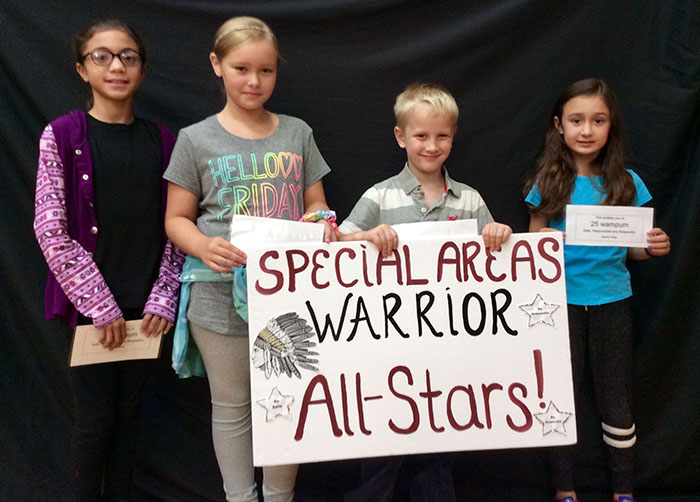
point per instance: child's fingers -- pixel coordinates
(113, 335)
(375, 237)
(221, 256)
(101, 336)
(153, 325)
(225, 254)
(394, 238)
(495, 234)
(108, 339)
(119, 329)
(504, 233)
(659, 242)
(507, 232)
(166, 328)
(148, 324)
(390, 239)
(328, 232)
(490, 236)
(657, 235)
(214, 265)
(239, 258)
(487, 240)
(161, 327)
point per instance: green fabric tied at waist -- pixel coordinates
(186, 359)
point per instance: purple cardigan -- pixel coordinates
(65, 224)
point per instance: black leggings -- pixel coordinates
(103, 447)
(601, 336)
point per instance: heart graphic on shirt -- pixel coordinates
(288, 162)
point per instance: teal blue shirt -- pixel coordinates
(594, 274)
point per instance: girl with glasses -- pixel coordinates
(100, 203)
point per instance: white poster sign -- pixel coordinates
(442, 346)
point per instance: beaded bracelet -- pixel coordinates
(320, 214)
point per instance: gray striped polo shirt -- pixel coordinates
(399, 199)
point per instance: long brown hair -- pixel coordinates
(555, 173)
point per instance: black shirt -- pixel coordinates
(127, 177)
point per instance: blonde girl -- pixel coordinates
(243, 160)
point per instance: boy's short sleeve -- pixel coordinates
(482, 215)
(365, 214)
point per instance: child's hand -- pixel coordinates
(495, 234)
(384, 237)
(659, 242)
(220, 255)
(154, 325)
(329, 234)
(113, 334)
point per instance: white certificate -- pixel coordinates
(608, 225)
(88, 350)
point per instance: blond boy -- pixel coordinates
(426, 122)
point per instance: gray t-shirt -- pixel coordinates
(231, 175)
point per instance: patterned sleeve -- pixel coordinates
(165, 292)
(69, 262)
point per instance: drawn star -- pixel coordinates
(553, 420)
(539, 311)
(277, 405)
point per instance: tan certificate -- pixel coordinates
(88, 350)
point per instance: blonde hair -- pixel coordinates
(437, 97)
(239, 30)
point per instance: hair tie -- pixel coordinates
(319, 215)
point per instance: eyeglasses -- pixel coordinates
(104, 57)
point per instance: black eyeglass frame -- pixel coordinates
(121, 54)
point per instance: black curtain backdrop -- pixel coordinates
(345, 61)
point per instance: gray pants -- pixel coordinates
(226, 361)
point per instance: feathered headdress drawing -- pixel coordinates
(282, 346)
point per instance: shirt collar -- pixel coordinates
(450, 183)
(408, 181)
